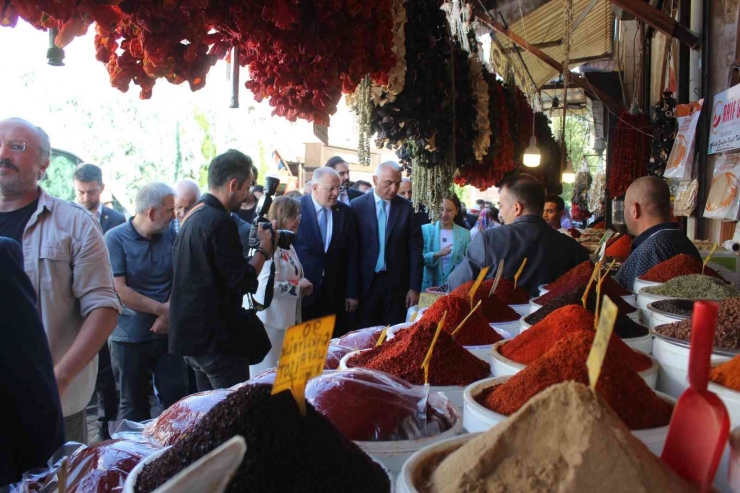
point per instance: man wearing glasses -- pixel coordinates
(65, 257)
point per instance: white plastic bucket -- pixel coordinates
(514, 325)
(731, 400)
(393, 455)
(533, 307)
(542, 289)
(502, 366)
(630, 299)
(661, 318)
(674, 366)
(453, 393)
(405, 482)
(522, 310)
(644, 344)
(478, 418)
(644, 299)
(639, 284)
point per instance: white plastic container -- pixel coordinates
(502, 366)
(639, 284)
(393, 455)
(421, 313)
(643, 344)
(405, 482)
(477, 418)
(730, 398)
(674, 366)
(658, 317)
(522, 310)
(525, 326)
(630, 299)
(644, 299)
(514, 325)
(533, 307)
(542, 289)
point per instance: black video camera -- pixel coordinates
(284, 237)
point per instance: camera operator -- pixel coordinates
(208, 326)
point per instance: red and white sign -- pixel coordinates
(724, 130)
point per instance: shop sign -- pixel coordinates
(724, 130)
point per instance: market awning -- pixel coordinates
(592, 38)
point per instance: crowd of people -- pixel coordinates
(197, 287)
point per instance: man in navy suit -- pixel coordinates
(326, 244)
(391, 247)
(88, 184)
(346, 194)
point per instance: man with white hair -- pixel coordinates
(141, 257)
(65, 257)
(390, 250)
(187, 194)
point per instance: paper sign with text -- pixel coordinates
(303, 356)
(601, 341)
(426, 299)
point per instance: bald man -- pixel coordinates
(647, 213)
(188, 194)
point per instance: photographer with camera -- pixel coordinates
(209, 327)
(288, 283)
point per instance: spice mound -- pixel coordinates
(367, 405)
(620, 386)
(451, 364)
(504, 291)
(679, 265)
(565, 440)
(583, 269)
(476, 331)
(619, 248)
(609, 287)
(695, 287)
(727, 374)
(492, 308)
(677, 307)
(286, 451)
(726, 333)
(540, 338)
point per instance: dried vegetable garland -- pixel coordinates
(397, 75)
(482, 118)
(665, 128)
(461, 20)
(464, 108)
(597, 194)
(631, 153)
(579, 200)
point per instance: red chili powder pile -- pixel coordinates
(621, 387)
(402, 356)
(504, 291)
(609, 287)
(583, 269)
(620, 248)
(492, 308)
(680, 265)
(542, 337)
(476, 332)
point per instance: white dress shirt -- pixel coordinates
(329, 221)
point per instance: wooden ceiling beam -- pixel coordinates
(660, 21)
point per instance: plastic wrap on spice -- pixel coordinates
(367, 405)
(335, 355)
(359, 339)
(183, 415)
(103, 467)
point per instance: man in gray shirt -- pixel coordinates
(141, 257)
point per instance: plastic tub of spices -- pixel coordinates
(674, 365)
(724, 381)
(417, 463)
(522, 310)
(639, 284)
(644, 299)
(730, 398)
(533, 307)
(514, 325)
(482, 352)
(525, 326)
(662, 317)
(478, 418)
(631, 299)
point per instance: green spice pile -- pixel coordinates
(727, 333)
(695, 287)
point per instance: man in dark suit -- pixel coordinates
(525, 234)
(346, 194)
(326, 244)
(88, 184)
(390, 250)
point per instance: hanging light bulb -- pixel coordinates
(532, 154)
(569, 176)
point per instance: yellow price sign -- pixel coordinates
(476, 285)
(499, 273)
(302, 357)
(519, 272)
(603, 335)
(381, 338)
(709, 257)
(598, 290)
(426, 299)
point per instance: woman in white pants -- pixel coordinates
(289, 284)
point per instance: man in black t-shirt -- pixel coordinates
(13, 223)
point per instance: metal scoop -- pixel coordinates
(700, 425)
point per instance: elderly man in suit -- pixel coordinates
(88, 185)
(549, 253)
(326, 244)
(391, 246)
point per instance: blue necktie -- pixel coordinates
(323, 225)
(380, 264)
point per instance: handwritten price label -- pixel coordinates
(426, 299)
(302, 357)
(601, 341)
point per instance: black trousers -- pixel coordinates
(218, 371)
(105, 391)
(327, 303)
(383, 305)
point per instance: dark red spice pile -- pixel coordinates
(680, 265)
(540, 338)
(492, 308)
(583, 269)
(504, 291)
(476, 331)
(402, 356)
(620, 247)
(621, 387)
(609, 287)
(286, 451)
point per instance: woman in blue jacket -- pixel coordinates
(445, 244)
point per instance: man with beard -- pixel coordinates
(141, 257)
(88, 183)
(346, 193)
(65, 257)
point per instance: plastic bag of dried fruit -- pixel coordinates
(368, 405)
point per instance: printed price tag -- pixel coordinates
(477, 284)
(383, 334)
(709, 257)
(601, 341)
(499, 273)
(426, 299)
(519, 272)
(302, 357)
